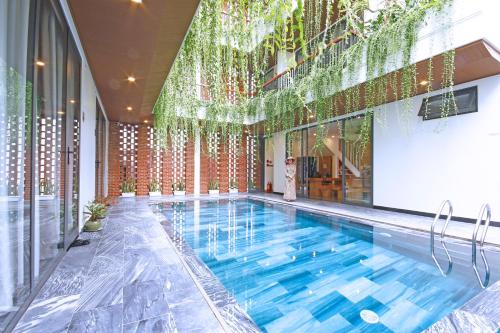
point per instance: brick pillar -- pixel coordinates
(114, 160)
(224, 165)
(143, 160)
(167, 170)
(204, 166)
(259, 166)
(189, 158)
(242, 165)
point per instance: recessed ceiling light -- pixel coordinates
(40, 63)
(424, 83)
(131, 79)
(129, 108)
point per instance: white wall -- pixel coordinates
(268, 155)
(418, 164)
(89, 96)
(279, 153)
(87, 140)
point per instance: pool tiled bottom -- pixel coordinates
(293, 271)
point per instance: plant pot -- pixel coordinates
(128, 194)
(155, 194)
(233, 191)
(213, 192)
(93, 226)
(179, 193)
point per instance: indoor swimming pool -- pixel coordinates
(292, 270)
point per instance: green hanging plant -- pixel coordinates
(231, 42)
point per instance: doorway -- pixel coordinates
(338, 166)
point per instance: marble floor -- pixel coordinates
(128, 279)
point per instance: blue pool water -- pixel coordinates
(296, 271)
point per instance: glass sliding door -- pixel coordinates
(295, 149)
(358, 160)
(50, 133)
(16, 87)
(324, 177)
(72, 147)
(39, 147)
(337, 168)
(100, 144)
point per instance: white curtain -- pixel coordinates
(14, 22)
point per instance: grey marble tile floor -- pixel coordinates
(128, 279)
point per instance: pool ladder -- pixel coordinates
(484, 209)
(443, 231)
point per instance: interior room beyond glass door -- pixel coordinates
(324, 162)
(358, 160)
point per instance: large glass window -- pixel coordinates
(358, 161)
(324, 163)
(72, 146)
(100, 151)
(49, 162)
(39, 147)
(338, 167)
(15, 124)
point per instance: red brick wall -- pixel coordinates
(189, 166)
(143, 166)
(167, 172)
(258, 169)
(223, 166)
(204, 166)
(114, 160)
(143, 153)
(242, 166)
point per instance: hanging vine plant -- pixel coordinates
(217, 81)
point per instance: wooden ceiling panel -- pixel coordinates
(123, 38)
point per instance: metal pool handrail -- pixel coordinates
(448, 218)
(484, 209)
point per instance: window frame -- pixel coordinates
(473, 91)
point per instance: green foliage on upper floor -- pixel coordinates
(231, 43)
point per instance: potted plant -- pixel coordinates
(213, 187)
(233, 186)
(96, 212)
(128, 188)
(154, 188)
(179, 188)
